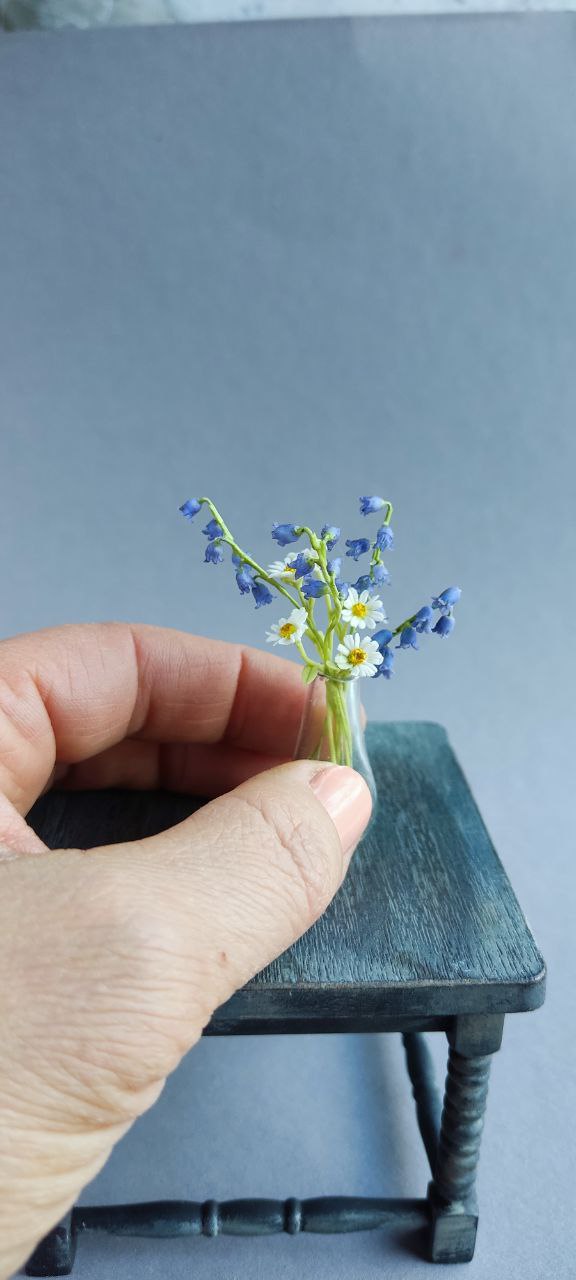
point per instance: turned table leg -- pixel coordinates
(452, 1191)
(54, 1255)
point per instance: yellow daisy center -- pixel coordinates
(359, 610)
(356, 657)
(289, 568)
(287, 629)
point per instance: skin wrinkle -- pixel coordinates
(199, 725)
(142, 699)
(145, 939)
(237, 718)
(65, 711)
(64, 716)
(299, 865)
(26, 734)
(19, 709)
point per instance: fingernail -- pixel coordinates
(347, 799)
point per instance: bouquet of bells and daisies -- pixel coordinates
(338, 627)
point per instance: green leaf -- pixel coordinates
(308, 673)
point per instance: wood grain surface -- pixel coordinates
(426, 926)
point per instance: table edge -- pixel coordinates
(445, 999)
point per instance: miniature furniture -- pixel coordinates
(425, 935)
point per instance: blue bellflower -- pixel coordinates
(213, 529)
(190, 508)
(284, 533)
(382, 638)
(261, 594)
(334, 566)
(245, 579)
(380, 574)
(330, 534)
(423, 620)
(364, 583)
(357, 547)
(342, 587)
(214, 554)
(369, 505)
(444, 625)
(302, 565)
(446, 599)
(408, 639)
(313, 588)
(384, 538)
(386, 667)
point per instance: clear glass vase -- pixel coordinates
(332, 727)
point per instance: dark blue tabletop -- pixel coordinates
(426, 924)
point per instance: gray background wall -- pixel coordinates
(286, 265)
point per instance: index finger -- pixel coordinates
(68, 693)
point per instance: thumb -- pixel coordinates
(248, 873)
(134, 946)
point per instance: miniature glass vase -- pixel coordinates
(332, 727)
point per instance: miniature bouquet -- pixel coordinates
(350, 639)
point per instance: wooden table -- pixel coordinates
(426, 934)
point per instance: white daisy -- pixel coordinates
(288, 630)
(358, 655)
(363, 610)
(284, 569)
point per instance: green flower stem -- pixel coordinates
(330, 735)
(407, 623)
(314, 541)
(226, 536)
(301, 598)
(313, 632)
(337, 725)
(335, 737)
(317, 545)
(376, 557)
(309, 661)
(333, 602)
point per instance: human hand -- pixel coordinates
(114, 959)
